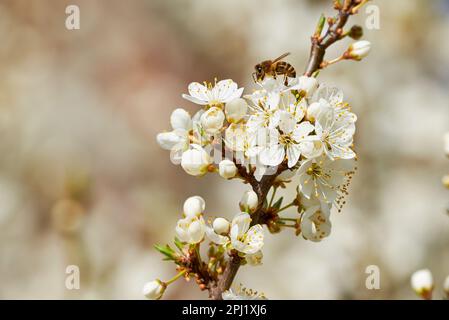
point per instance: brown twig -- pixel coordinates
(261, 188)
(333, 34)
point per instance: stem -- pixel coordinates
(286, 206)
(288, 219)
(272, 196)
(179, 275)
(261, 188)
(333, 34)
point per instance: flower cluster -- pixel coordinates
(290, 129)
(298, 127)
(236, 235)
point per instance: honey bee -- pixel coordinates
(273, 68)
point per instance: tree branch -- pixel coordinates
(261, 188)
(333, 34)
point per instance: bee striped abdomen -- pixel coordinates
(285, 68)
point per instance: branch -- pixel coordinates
(261, 189)
(332, 35)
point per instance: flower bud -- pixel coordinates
(194, 206)
(221, 226)
(212, 120)
(356, 32)
(446, 286)
(249, 201)
(307, 85)
(422, 283)
(154, 290)
(235, 110)
(195, 161)
(180, 119)
(191, 229)
(358, 50)
(227, 169)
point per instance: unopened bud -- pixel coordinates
(422, 283)
(358, 50)
(356, 32)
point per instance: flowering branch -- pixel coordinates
(334, 33)
(290, 127)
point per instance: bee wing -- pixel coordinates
(281, 57)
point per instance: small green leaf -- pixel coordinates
(278, 203)
(166, 251)
(179, 244)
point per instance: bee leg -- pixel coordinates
(285, 79)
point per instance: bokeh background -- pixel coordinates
(82, 180)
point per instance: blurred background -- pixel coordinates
(83, 181)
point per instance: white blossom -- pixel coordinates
(243, 238)
(359, 49)
(242, 293)
(191, 229)
(287, 142)
(236, 110)
(194, 206)
(249, 201)
(221, 225)
(178, 138)
(227, 169)
(422, 283)
(195, 161)
(446, 286)
(335, 134)
(224, 91)
(212, 120)
(218, 233)
(307, 85)
(324, 178)
(315, 220)
(153, 290)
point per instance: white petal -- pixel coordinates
(293, 154)
(242, 221)
(195, 100)
(180, 119)
(272, 155)
(302, 131)
(168, 140)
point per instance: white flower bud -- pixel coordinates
(212, 120)
(359, 50)
(191, 229)
(195, 161)
(221, 226)
(446, 143)
(446, 286)
(180, 119)
(307, 84)
(235, 110)
(249, 201)
(227, 169)
(153, 290)
(194, 206)
(422, 283)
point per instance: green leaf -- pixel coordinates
(278, 203)
(179, 244)
(166, 251)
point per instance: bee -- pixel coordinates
(273, 68)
